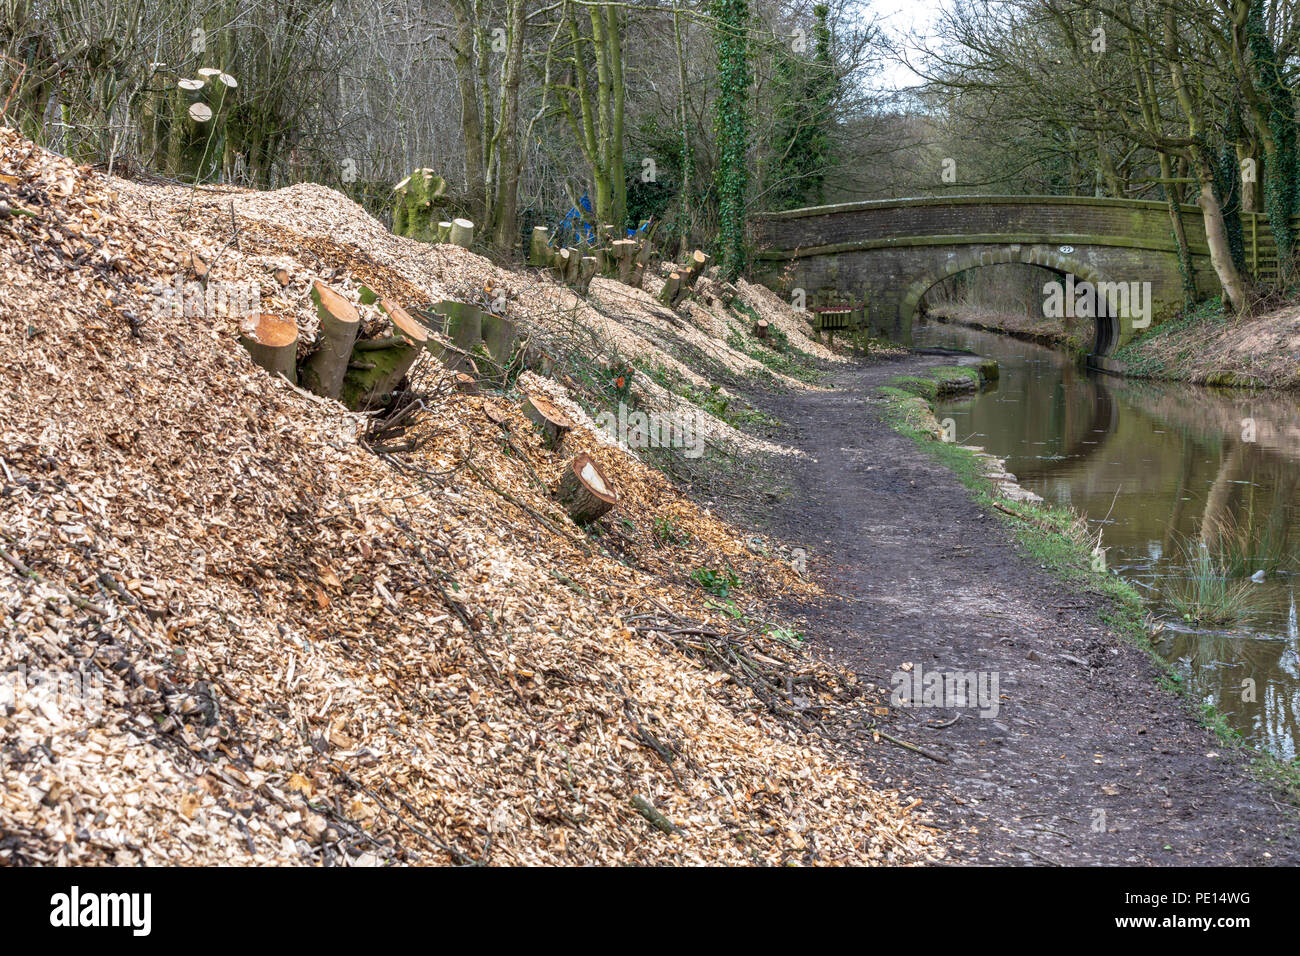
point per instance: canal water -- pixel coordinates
(1196, 493)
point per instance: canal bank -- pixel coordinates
(1089, 758)
(1204, 347)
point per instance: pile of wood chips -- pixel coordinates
(233, 634)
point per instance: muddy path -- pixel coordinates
(1088, 760)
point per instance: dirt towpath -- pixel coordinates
(1088, 760)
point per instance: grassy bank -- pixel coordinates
(1059, 539)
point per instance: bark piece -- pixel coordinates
(324, 370)
(584, 490)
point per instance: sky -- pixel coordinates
(899, 18)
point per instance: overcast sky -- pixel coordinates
(900, 18)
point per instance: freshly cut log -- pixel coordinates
(549, 419)
(272, 341)
(404, 325)
(339, 322)
(539, 248)
(584, 491)
(672, 286)
(760, 329)
(699, 262)
(462, 233)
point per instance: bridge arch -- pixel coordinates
(881, 256)
(1105, 330)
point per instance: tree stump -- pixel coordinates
(539, 249)
(462, 233)
(760, 329)
(584, 491)
(672, 286)
(586, 272)
(695, 268)
(549, 419)
(324, 370)
(272, 341)
(374, 373)
(414, 205)
(624, 252)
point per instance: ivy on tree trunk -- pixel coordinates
(733, 131)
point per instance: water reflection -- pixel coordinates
(1195, 491)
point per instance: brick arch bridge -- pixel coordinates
(881, 257)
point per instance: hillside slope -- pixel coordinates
(274, 646)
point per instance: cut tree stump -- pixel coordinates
(586, 272)
(443, 232)
(672, 286)
(695, 268)
(373, 373)
(462, 233)
(272, 341)
(549, 419)
(465, 384)
(539, 249)
(760, 329)
(415, 202)
(498, 335)
(584, 491)
(624, 251)
(325, 368)
(464, 323)
(496, 414)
